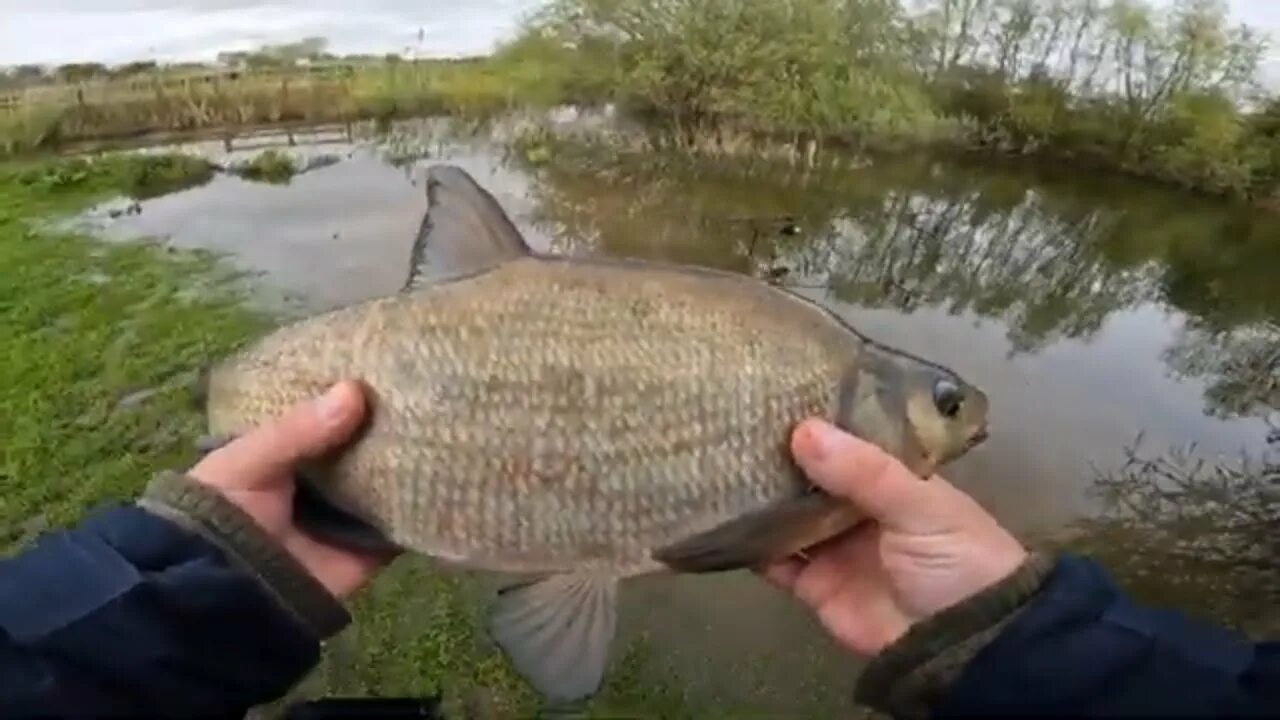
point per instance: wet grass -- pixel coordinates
(270, 166)
(101, 342)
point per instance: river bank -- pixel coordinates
(1096, 84)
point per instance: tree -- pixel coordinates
(27, 72)
(79, 72)
(136, 68)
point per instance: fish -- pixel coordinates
(579, 420)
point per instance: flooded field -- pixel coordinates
(1092, 310)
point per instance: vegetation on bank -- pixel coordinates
(269, 166)
(185, 100)
(1167, 93)
(100, 341)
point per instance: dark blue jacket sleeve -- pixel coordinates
(131, 614)
(1082, 648)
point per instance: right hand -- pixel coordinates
(927, 546)
(257, 473)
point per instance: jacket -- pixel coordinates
(181, 607)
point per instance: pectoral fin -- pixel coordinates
(315, 515)
(557, 632)
(206, 444)
(324, 521)
(762, 537)
(464, 230)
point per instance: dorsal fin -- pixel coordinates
(463, 231)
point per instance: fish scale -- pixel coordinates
(462, 339)
(582, 419)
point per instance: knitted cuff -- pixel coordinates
(199, 508)
(912, 675)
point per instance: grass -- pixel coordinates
(269, 166)
(418, 632)
(101, 344)
(88, 325)
(528, 74)
(796, 76)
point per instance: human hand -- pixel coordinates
(256, 472)
(928, 545)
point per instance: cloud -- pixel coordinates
(113, 31)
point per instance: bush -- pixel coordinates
(269, 166)
(146, 176)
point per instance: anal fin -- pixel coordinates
(557, 632)
(761, 537)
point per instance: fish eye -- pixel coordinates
(947, 398)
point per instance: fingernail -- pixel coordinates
(331, 406)
(822, 440)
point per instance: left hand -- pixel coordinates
(927, 546)
(256, 472)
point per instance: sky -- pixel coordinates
(114, 31)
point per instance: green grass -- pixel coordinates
(418, 631)
(529, 74)
(87, 324)
(269, 166)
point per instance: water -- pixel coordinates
(1090, 309)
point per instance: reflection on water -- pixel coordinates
(1187, 533)
(1090, 309)
(1088, 314)
(1241, 365)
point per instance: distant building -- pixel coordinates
(234, 60)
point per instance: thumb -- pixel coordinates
(851, 468)
(306, 430)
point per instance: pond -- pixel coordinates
(1092, 309)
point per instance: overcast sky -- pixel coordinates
(113, 31)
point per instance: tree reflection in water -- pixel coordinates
(1048, 259)
(1194, 535)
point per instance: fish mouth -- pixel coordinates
(978, 437)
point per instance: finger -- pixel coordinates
(304, 431)
(340, 571)
(854, 469)
(783, 574)
(839, 565)
(822, 581)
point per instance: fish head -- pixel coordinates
(922, 413)
(947, 414)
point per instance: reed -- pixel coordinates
(45, 117)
